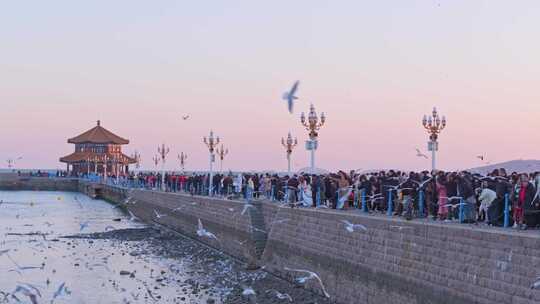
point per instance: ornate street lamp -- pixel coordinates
(155, 159)
(11, 162)
(163, 151)
(289, 145)
(434, 125)
(182, 158)
(211, 143)
(137, 157)
(312, 125)
(221, 153)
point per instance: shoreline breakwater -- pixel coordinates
(392, 261)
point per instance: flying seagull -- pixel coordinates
(26, 292)
(203, 232)
(159, 215)
(420, 154)
(246, 207)
(536, 283)
(310, 275)
(281, 296)
(421, 184)
(290, 97)
(350, 226)
(480, 157)
(61, 290)
(185, 117)
(248, 291)
(132, 217)
(83, 225)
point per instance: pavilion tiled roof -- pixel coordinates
(88, 155)
(98, 135)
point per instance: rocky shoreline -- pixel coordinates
(213, 277)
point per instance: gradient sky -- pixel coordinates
(374, 67)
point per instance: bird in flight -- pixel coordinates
(421, 184)
(480, 157)
(185, 117)
(83, 225)
(350, 226)
(159, 215)
(536, 284)
(420, 154)
(203, 232)
(310, 275)
(290, 96)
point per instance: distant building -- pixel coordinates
(98, 151)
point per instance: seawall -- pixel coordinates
(393, 261)
(13, 182)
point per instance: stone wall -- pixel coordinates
(397, 261)
(237, 234)
(13, 182)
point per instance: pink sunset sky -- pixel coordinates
(374, 67)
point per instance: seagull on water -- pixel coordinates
(290, 97)
(421, 184)
(310, 275)
(62, 289)
(203, 232)
(26, 292)
(350, 226)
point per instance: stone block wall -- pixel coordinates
(397, 261)
(393, 261)
(16, 183)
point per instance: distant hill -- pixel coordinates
(521, 166)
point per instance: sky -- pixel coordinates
(374, 67)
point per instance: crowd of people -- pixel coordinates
(498, 198)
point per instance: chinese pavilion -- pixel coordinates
(98, 151)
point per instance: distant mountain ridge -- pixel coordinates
(520, 166)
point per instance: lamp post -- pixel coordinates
(221, 153)
(312, 125)
(289, 145)
(163, 151)
(434, 125)
(211, 143)
(182, 158)
(137, 157)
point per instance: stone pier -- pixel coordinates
(394, 261)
